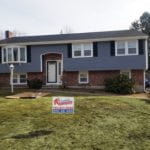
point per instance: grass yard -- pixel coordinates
(99, 123)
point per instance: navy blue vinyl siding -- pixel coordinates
(104, 60)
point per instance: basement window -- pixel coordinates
(83, 77)
(20, 79)
(126, 73)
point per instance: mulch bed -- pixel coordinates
(27, 95)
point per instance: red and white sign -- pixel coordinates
(62, 104)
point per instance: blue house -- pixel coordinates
(80, 60)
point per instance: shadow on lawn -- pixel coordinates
(146, 101)
(32, 134)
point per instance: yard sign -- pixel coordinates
(63, 105)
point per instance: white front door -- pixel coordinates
(52, 72)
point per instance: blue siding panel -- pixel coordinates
(104, 61)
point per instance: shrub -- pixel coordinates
(120, 84)
(34, 83)
(63, 85)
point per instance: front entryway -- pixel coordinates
(54, 71)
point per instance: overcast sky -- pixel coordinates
(50, 16)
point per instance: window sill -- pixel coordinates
(20, 84)
(81, 56)
(13, 62)
(128, 55)
(83, 83)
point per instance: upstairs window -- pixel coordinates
(77, 50)
(126, 48)
(82, 50)
(132, 47)
(121, 48)
(14, 55)
(87, 49)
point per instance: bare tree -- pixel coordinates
(143, 24)
(15, 33)
(2, 36)
(18, 33)
(66, 29)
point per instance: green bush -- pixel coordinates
(120, 84)
(34, 83)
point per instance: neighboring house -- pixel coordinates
(83, 59)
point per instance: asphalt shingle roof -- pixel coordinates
(73, 36)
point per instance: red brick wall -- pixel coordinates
(4, 79)
(70, 78)
(52, 56)
(138, 76)
(96, 78)
(36, 75)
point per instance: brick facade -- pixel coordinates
(51, 56)
(36, 75)
(4, 79)
(96, 78)
(70, 78)
(138, 76)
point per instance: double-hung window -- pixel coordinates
(83, 77)
(16, 54)
(77, 50)
(82, 50)
(121, 48)
(124, 48)
(132, 47)
(20, 79)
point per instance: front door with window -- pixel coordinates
(52, 72)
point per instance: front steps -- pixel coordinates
(51, 86)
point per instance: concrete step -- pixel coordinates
(50, 86)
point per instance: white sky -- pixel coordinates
(50, 16)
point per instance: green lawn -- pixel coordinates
(99, 123)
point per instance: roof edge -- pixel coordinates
(75, 41)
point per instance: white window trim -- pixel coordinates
(126, 48)
(82, 50)
(87, 77)
(130, 76)
(12, 54)
(18, 79)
